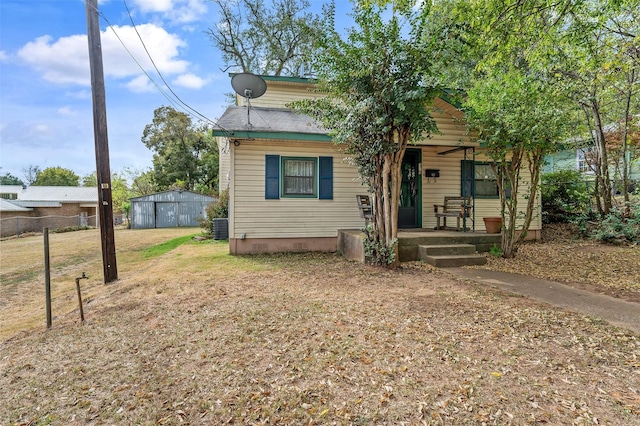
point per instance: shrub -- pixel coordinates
(215, 210)
(619, 228)
(495, 251)
(64, 229)
(376, 253)
(564, 196)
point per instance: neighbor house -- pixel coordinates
(11, 216)
(291, 189)
(579, 159)
(48, 206)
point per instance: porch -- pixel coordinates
(440, 248)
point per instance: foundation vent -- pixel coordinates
(259, 247)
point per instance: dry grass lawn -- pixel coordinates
(195, 336)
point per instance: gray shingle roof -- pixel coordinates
(269, 120)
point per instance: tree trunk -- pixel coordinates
(602, 172)
(625, 148)
(386, 175)
(510, 171)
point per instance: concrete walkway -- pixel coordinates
(615, 311)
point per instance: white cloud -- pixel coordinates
(190, 81)
(62, 61)
(151, 6)
(67, 111)
(141, 84)
(192, 11)
(177, 11)
(66, 60)
(162, 46)
(3, 56)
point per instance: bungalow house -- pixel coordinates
(48, 206)
(291, 189)
(578, 159)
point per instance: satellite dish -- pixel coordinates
(250, 86)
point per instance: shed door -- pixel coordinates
(143, 214)
(166, 215)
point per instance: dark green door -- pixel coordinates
(410, 203)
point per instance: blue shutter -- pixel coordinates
(467, 173)
(272, 177)
(325, 178)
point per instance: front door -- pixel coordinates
(410, 203)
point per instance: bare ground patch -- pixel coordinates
(314, 339)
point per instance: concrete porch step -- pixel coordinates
(450, 255)
(444, 249)
(455, 260)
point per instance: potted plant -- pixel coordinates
(493, 225)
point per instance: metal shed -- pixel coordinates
(168, 209)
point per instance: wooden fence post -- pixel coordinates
(47, 277)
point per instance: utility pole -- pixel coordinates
(103, 172)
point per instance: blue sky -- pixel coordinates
(45, 94)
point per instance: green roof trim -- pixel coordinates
(282, 78)
(449, 95)
(287, 136)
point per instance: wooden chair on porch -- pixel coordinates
(366, 208)
(454, 207)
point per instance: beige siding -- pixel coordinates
(449, 184)
(224, 165)
(278, 95)
(452, 131)
(257, 217)
(252, 216)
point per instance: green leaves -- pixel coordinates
(56, 176)
(378, 83)
(185, 155)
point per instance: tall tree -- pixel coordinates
(274, 40)
(179, 147)
(582, 46)
(141, 181)
(9, 179)
(518, 119)
(57, 176)
(376, 104)
(120, 192)
(30, 174)
(90, 180)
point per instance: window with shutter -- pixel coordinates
(298, 177)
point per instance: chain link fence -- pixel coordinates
(10, 226)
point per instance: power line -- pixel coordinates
(160, 89)
(133, 24)
(171, 101)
